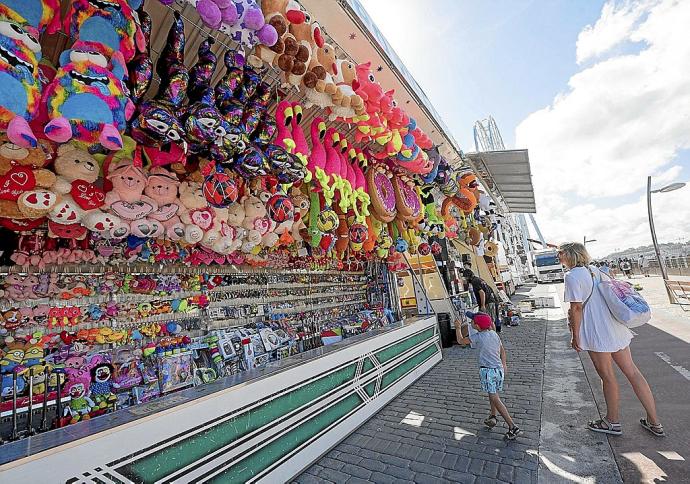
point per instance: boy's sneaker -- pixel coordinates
(513, 433)
(491, 421)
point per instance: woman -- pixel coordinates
(607, 341)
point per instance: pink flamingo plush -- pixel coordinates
(332, 156)
(284, 116)
(298, 137)
(317, 156)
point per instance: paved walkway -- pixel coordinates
(433, 432)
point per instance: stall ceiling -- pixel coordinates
(508, 173)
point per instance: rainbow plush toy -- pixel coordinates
(43, 15)
(86, 101)
(21, 92)
(109, 22)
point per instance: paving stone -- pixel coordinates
(421, 478)
(384, 450)
(426, 468)
(349, 458)
(505, 472)
(461, 477)
(356, 471)
(357, 480)
(333, 475)
(399, 472)
(381, 478)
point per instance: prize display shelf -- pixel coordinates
(263, 425)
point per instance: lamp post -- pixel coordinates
(666, 189)
(585, 240)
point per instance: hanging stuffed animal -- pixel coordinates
(278, 14)
(21, 90)
(249, 28)
(346, 102)
(110, 23)
(319, 82)
(162, 187)
(86, 101)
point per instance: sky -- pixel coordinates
(598, 92)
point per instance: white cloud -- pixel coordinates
(622, 119)
(613, 27)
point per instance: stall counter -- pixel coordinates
(267, 429)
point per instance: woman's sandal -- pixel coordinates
(656, 429)
(491, 421)
(605, 427)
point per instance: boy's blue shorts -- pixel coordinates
(491, 379)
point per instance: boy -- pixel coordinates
(492, 366)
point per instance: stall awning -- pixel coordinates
(507, 174)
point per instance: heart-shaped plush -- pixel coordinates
(37, 203)
(87, 195)
(20, 225)
(202, 218)
(131, 211)
(165, 212)
(15, 182)
(66, 231)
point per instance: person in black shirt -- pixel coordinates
(484, 295)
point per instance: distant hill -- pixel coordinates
(669, 249)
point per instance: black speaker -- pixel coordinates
(444, 329)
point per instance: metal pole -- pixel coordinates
(662, 267)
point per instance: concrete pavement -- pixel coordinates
(661, 350)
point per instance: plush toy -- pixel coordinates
(215, 12)
(249, 28)
(127, 200)
(276, 14)
(87, 100)
(80, 405)
(301, 203)
(162, 187)
(300, 45)
(14, 354)
(255, 222)
(321, 87)
(110, 23)
(156, 124)
(346, 102)
(101, 388)
(22, 172)
(42, 15)
(21, 89)
(197, 215)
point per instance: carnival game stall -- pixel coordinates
(202, 204)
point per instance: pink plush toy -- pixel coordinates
(284, 115)
(127, 200)
(301, 145)
(317, 156)
(162, 187)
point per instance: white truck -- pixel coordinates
(546, 265)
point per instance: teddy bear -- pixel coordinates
(300, 45)
(278, 14)
(301, 203)
(347, 102)
(162, 186)
(127, 200)
(197, 215)
(22, 171)
(255, 222)
(321, 87)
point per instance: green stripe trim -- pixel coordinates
(368, 365)
(263, 458)
(408, 365)
(370, 388)
(187, 451)
(393, 351)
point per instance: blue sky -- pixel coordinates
(597, 91)
(507, 58)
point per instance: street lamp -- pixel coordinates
(585, 240)
(666, 189)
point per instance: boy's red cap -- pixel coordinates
(482, 320)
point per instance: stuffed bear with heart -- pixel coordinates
(162, 186)
(22, 171)
(197, 215)
(127, 200)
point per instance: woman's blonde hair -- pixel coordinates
(575, 254)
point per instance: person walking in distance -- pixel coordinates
(491, 357)
(593, 329)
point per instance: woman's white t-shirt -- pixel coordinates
(599, 331)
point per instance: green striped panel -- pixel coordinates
(250, 466)
(401, 370)
(370, 388)
(411, 342)
(368, 365)
(191, 449)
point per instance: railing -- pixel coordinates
(675, 266)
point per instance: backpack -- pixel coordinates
(624, 302)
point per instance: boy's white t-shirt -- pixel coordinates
(488, 345)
